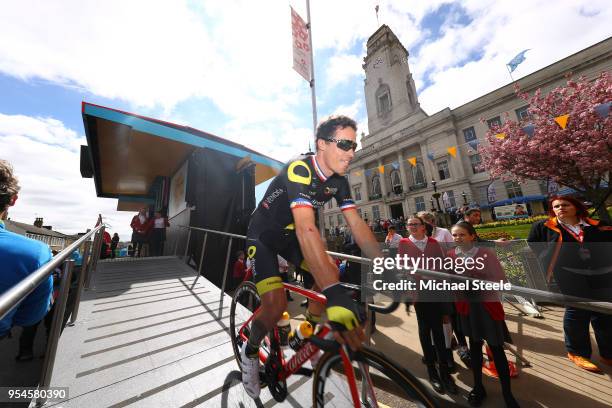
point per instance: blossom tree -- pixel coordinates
(574, 150)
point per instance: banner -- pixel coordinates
(507, 212)
(178, 188)
(301, 46)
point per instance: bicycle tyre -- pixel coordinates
(412, 388)
(244, 289)
(390, 308)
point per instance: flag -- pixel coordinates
(358, 173)
(562, 121)
(430, 156)
(381, 169)
(500, 136)
(446, 200)
(529, 129)
(452, 151)
(301, 46)
(514, 62)
(491, 193)
(413, 161)
(395, 165)
(473, 144)
(603, 110)
(368, 172)
(553, 187)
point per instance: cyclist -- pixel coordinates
(284, 224)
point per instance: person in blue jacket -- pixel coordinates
(19, 257)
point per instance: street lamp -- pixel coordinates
(436, 195)
(464, 197)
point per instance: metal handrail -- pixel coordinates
(604, 307)
(17, 293)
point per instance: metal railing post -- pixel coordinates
(187, 246)
(201, 261)
(227, 258)
(56, 329)
(94, 259)
(176, 242)
(81, 282)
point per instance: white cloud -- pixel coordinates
(342, 68)
(48, 173)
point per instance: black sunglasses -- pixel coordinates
(344, 144)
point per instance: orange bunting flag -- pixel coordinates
(412, 160)
(452, 151)
(381, 169)
(500, 135)
(357, 173)
(562, 121)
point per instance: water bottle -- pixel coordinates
(284, 328)
(297, 337)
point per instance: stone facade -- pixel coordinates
(401, 131)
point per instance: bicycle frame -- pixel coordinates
(295, 363)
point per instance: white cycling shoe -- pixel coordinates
(250, 373)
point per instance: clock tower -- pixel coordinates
(389, 88)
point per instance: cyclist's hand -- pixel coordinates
(344, 317)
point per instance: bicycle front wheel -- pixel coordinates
(380, 382)
(245, 302)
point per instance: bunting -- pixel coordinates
(395, 165)
(381, 169)
(430, 156)
(452, 151)
(562, 121)
(529, 129)
(413, 161)
(603, 109)
(500, 136)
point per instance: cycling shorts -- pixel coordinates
(264, 262)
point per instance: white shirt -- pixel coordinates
(394, 241)
(442, 235)
(466, 254)
(420, 243)
(574, 228)
(159, 223)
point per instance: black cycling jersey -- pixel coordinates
(301, 183)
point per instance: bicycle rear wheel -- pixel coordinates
(245, 302)
(380, 382)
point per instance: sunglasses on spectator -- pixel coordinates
(343, 144)
(414, 225)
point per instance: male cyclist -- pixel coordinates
(284, 224)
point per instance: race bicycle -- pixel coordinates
(364, 378)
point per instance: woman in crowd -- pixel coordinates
(481, 313)
(430, 315)
(114, 243)
(140, 230)
(158, 233)
(575, 251)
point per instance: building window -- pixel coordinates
(375, 212)
(383, 99)
(522, 114)
(339, 219)
(420, 203)
(513, 188)
(418, 175)
(357, 190)
(376, 186)
(476, 162)
(396, 182)
(452, 203)
(494, 122)
(483, 195)
(443, 171)
(469, 134)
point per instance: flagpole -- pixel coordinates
(312, 73)
(314, 107)
(509, 72)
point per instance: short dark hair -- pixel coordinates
(9, 185)
(327, 129)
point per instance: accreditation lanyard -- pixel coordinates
(578, 237)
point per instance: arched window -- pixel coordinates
(376, 186)
(396, 182)
(418, 174)
(383, 99)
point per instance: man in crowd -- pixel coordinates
(19, 257)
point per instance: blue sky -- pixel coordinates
(228, 72)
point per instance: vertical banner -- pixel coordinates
(301, 47)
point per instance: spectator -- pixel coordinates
(239, 270)
(442, 235)
(481, 313)
(114, 243)
(105, 247)
(393, 238)
(19, 257)
(430, 315)
(140, 228)
(581, 248)
(158, 233)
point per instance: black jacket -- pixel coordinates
(580, 269)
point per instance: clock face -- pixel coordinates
(378, 62)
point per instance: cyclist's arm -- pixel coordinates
(362, 234)
(324, 272)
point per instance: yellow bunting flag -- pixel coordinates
(381, 169)
(357, 173)
(562, 121)
(500, 135)
(452, 151)
(412, 160)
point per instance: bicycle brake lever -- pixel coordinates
(325, 345)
